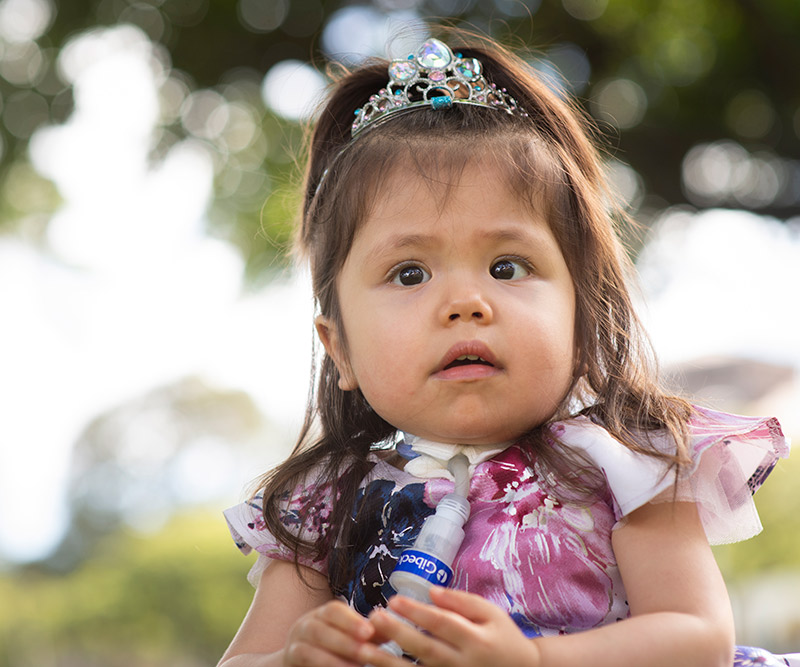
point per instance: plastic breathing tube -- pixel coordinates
(429, 561)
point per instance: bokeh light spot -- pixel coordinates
(204, 114)
(48, 82)
(172, 94)
(92, 47)
(22, 64)
(147, 17)
(241, 128)
(625, 183)
(27, 191)
(571, 61)
(620, 102)
(353, 34)
(188, 12)
(24, 112)
(750, 114)
(260, 16)
(25, 20)
(585, 10)
(395, 5)
(518, 8)
(684, 59)
(292, 88)
(725, 173)
(451, 7)
(708, 171)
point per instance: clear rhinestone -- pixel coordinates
(436, 75)
(402, 70)
(469, 68)
(433, 54)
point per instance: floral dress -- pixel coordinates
(548, 562)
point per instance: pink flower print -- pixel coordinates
(526, 550)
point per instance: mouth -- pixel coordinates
(467, 359)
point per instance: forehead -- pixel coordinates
(414, 213)
(408, 192)
(442, 175)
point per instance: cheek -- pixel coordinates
(382, 354)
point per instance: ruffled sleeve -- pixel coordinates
(732, 456)
(305, 512)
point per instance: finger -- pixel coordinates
(332, 629)
(444, 624)
(302, 654)
(330, 639)
(349, 621)
(429, 649)
(374, 656)
(470, 606)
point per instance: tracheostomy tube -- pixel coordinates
(429, 561)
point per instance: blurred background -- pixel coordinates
(155, 339)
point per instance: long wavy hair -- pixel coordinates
(550, 160)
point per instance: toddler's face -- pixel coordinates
(458, 311)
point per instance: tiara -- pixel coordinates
(434, 77)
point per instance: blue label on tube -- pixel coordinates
(425, 566)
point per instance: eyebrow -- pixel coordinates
(514, 233)
(402, 241)
(526, 233)
(522, 234)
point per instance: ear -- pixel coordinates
(329, 335)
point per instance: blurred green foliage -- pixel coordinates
(702, 71)
(777, 548)
(172, 598)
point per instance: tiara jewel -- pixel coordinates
(434, 77)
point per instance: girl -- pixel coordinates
(472, 298)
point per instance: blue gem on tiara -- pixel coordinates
(434, 77)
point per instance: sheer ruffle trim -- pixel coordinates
(250, 532)
(732, 456)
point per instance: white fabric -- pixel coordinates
(727, 452)
(433, 457)
(634, 479)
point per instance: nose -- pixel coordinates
(466, 304)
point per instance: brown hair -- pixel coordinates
(548, 156)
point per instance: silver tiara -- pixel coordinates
(434, 77)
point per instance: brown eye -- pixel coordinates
(411, 275)
(508, 269)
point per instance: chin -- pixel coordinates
(476, 437)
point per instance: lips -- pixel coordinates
(466, 360)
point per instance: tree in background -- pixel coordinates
(701, 103)
(701, 99)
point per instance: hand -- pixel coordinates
(328, 636)
(463, 630)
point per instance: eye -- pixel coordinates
(410, 275)
(508, 269)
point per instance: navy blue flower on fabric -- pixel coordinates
(389, 520)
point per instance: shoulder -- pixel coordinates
(731, 457)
